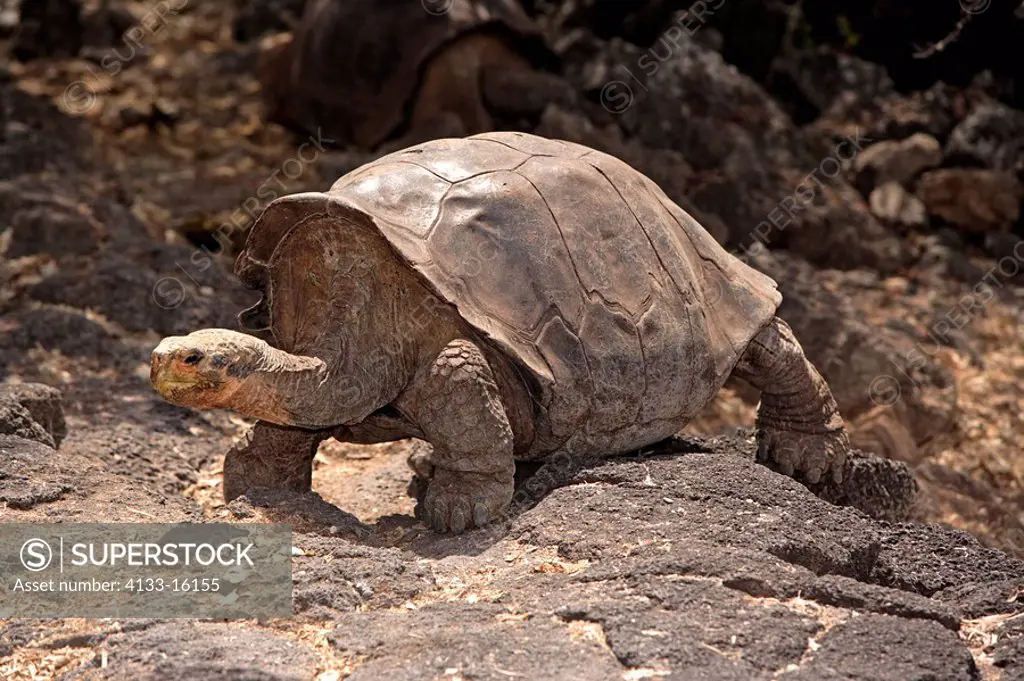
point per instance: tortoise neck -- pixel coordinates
(286, 389)
(313, 392)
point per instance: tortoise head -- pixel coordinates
(206, 368)
(222, 369)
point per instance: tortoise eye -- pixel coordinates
(193, 358)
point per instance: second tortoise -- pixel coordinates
(501, 297)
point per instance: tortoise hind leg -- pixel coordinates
(799, 429)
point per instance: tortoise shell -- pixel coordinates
(353, 67)
(568, 261)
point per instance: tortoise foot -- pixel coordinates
(456, 501)
(808, 456)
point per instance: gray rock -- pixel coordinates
(882, 488)
(8, 17)
(895, 116)
(1008, 655)
(201, 651)
(955, 559)
(51, 223)
(696, 628)
(816, 76)
(991, 136)
(986, 598)
(333, 577)
(894, 204)
(21, 486)
(170, 304)
(764, 177)
(849, 593)
(66, 330)
(1004, 245)
(949, 257)
(896, 161)
(33, 412)
(468, 641)
(754, 504)
(700, 565)
(973, 200)
(886, 648)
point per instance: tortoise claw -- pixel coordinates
(455, 501)
(457, 523)
(480, 516)
(811, 455)
(438, 514)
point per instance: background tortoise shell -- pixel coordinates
(628, 315)
(353, 67)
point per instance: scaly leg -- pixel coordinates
(459, 410)
(799, 429)
(271, 456)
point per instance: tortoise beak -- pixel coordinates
(156, 365)
(160, 367)
(165, 371)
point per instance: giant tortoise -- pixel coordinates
(502, 297)
(362, 72)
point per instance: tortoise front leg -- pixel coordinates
(457, 405)
(274, 457)
(799, 429)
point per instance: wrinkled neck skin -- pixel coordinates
(286, 389)
(309, 392)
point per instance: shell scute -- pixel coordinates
(408, 199)
(483, 157)
(608, 254)
(502, 258)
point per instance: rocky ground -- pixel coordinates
(693, 563)
(689, 562)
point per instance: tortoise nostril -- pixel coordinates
(193, 358)
(154, 366)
